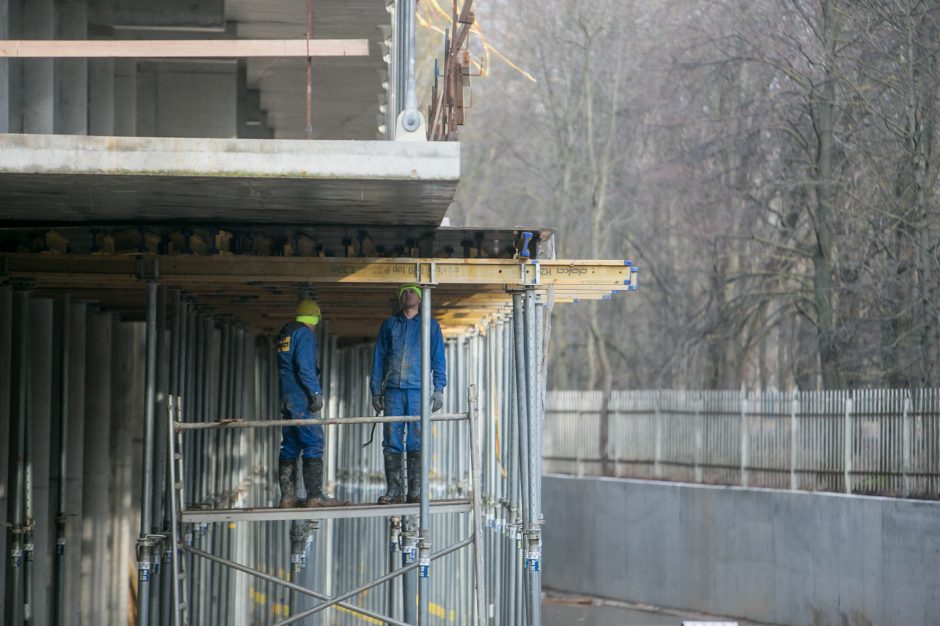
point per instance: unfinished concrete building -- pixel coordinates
(174, 176)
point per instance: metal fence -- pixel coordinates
(872, 441)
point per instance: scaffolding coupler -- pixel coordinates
(533, 548)
(424, 554)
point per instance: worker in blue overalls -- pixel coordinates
(301, 398)
(396, 390)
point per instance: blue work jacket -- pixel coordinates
(396, 362)
(297, 361)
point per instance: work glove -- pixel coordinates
(316, 403)
(378, 402)
(437, 401)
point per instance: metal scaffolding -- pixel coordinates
(472, 490)
(214, 549)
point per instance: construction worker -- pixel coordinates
(396, 390)
(301, 398)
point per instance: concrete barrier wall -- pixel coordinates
(771, 556)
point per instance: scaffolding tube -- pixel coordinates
(533, 555)
(16, 581)
(424, 538)
(145, 541)
(63, 380)
(374, 583)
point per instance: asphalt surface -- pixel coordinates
(563, 610)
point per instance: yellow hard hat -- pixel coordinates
(308, 311)
(410, 287)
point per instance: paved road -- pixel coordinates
(562, 610)
(560, 615)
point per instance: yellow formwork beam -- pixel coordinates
(184, 269)
(354, 294)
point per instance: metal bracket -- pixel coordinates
(148, 268)
(426, 273)
(532, 276)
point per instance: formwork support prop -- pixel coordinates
(63, 373)
(16, 593)
(533, 539)
(424, 529)
(145, 543)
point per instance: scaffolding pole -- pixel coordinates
(424, 530)
(145, 541)
(533, 555)
(63, 373)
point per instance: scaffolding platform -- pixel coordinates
(328, 512)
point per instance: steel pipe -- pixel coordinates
(63, 380)
(336, 421)
(144, 542)
(15, 597)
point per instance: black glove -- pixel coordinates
(316, 403)
(378, 402)
(437, 401)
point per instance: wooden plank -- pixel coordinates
(184, 48)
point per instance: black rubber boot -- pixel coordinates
(414, 477)
(287, 476)
(395, 492)
(313, 482)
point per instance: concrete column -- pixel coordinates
(71, 75)
(40, 456)
(5, 31)
(241, 95)
(38, 84)
(125, 97)
(96, 510)
(76, 460)
(6, 319)
(100, 72)
(101, 96)
(127, 399)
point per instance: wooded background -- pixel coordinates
(768, 164)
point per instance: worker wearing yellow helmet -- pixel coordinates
(301, 398)
(396, 390)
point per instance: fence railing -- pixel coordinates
(873, 441)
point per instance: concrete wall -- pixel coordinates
(772, 556)
(191, 99)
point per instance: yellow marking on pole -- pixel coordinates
(357, 614)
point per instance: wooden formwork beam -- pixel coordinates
(184, 48)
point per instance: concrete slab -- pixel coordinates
(55, 179)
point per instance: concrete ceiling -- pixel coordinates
(346, 91)
(57, 179)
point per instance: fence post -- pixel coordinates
(658, 453)
(848, 445)
(579, 458)
(907, 436)
(744, 439)
(699, 439)
(794, 442)
(615, 442)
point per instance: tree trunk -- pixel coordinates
(822, 103)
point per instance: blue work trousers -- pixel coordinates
(402, 402)
(297, 439)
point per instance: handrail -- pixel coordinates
(335, 421)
